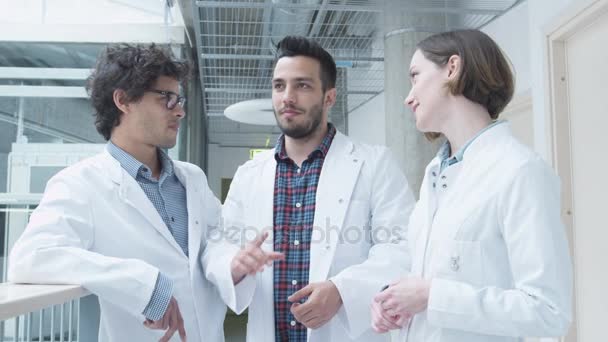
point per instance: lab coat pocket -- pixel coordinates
(459, 261)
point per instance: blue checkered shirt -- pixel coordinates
(168, 196)
(444, 151)
(295, 190)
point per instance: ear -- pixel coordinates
(120, 100)
(330, 98)
(453, 66)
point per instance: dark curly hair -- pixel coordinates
(292, 46)
(133, 69)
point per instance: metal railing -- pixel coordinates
(46, 313)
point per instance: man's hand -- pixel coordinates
(407, 296)
(172, 321)
(322, 304)
(251, 259)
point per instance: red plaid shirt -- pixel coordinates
(294, 212)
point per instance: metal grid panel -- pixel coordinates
(237, 47)
(237, 38)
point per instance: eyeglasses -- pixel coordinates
(172, 98)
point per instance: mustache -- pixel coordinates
(291, 108)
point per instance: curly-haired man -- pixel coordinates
(129, 224)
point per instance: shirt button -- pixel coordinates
(298, 170)
(293, 323)
(298, 205)
(172, 219)
(294, 282)
(296, 242)
(434, 185)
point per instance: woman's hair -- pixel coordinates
(133, 69)
(485, 75)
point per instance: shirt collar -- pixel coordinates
(444, 151)
(165, 162)
(281, 154)
(133, 166)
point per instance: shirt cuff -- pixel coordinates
(159, 301)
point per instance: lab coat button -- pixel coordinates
(455, 263)
(444, 186)
(434, 173)
(196, 222)
(327, 247)
(355, 160)
(340, 201)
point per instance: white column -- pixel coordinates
(412, 150)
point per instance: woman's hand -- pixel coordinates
(382, 323)
(407, 296)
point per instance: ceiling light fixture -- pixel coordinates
(254, 112)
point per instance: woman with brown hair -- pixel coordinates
(490, 258)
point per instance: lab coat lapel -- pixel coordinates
(422, 220)
(265, 199)
(472, 186)
(263, 192)
(197, 224)
(336, 184)
(131, 193)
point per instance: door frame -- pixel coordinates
(572, 20)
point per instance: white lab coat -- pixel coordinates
(95, 227)
(362, 196)
(494, 246)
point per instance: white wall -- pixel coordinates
(519, 113)
(541, 14)
(511, 32)
(586, 56)
(368, 122)
(99, 21)
(522, 35)
(223, 162)
(77, 12)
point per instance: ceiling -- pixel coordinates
(235, 42)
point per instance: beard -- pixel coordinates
(299, 130)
